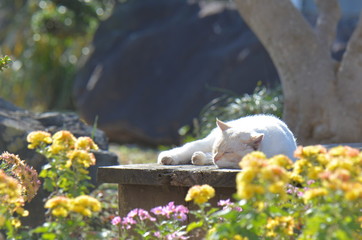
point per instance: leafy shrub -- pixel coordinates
(67, 178)
(46, 41)
(4, 61)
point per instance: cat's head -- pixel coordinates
(233, 144)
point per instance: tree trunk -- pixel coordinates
(322, 100)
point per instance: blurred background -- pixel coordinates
(146, 72)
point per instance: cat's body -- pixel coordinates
(229, 142)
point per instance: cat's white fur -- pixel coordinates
(229, 142)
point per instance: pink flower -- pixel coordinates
(169, 209)
(178, 212)
(133, 213)
(238, 209)
(177, 235)
(157, 210)
(181, 209)
(127, 222)
(224, 203)
(116, 220)
(143, 215)
(180, 217)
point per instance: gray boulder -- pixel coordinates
(156, 63)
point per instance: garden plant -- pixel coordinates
(70, 209)
(316, 197)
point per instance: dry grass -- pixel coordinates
(132, 154)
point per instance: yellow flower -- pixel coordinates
(239, 237)
(353, 191)
(200, 194)
(247, 191)
(283, 224)
(277, 188)
(62, 141)
(16, 222)
(57, 201)
(294, 177)
(282, 161)
(22, 212)
(89, 202)
(343, 151)
(246, 175)
(309, 151)
(272, 173)
(313, 193)
(65, 137)
(344, 163)
(10, 191)
(253, 160)
(85, 205)
(85, 143)
(57, 147)
(60, 206)
(60, 212)
(37, 138)
(81, 157)
(313, 172)
(26, 175)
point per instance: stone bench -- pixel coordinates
(150, 185)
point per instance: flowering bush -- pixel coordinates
(67, 178)
(18, 184)
(68, 160)
(316, 197)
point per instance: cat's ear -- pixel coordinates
(223, 126)
(255, 140)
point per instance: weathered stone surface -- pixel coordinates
(157, 63)
(160, 175)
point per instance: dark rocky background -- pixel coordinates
(157, 63)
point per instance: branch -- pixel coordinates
(287, 36)
(328, 17)
(350, 70)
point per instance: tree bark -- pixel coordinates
(317, 93)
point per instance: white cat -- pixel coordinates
(229, 142)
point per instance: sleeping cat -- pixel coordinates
(229, 142)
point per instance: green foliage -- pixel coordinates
(47, 39)
(4, 62)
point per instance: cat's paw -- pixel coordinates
(199, 158)
(165, 159)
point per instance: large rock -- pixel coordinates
(156, 63)
(17, 123)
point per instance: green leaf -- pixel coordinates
(194, 225)
(48, 236)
